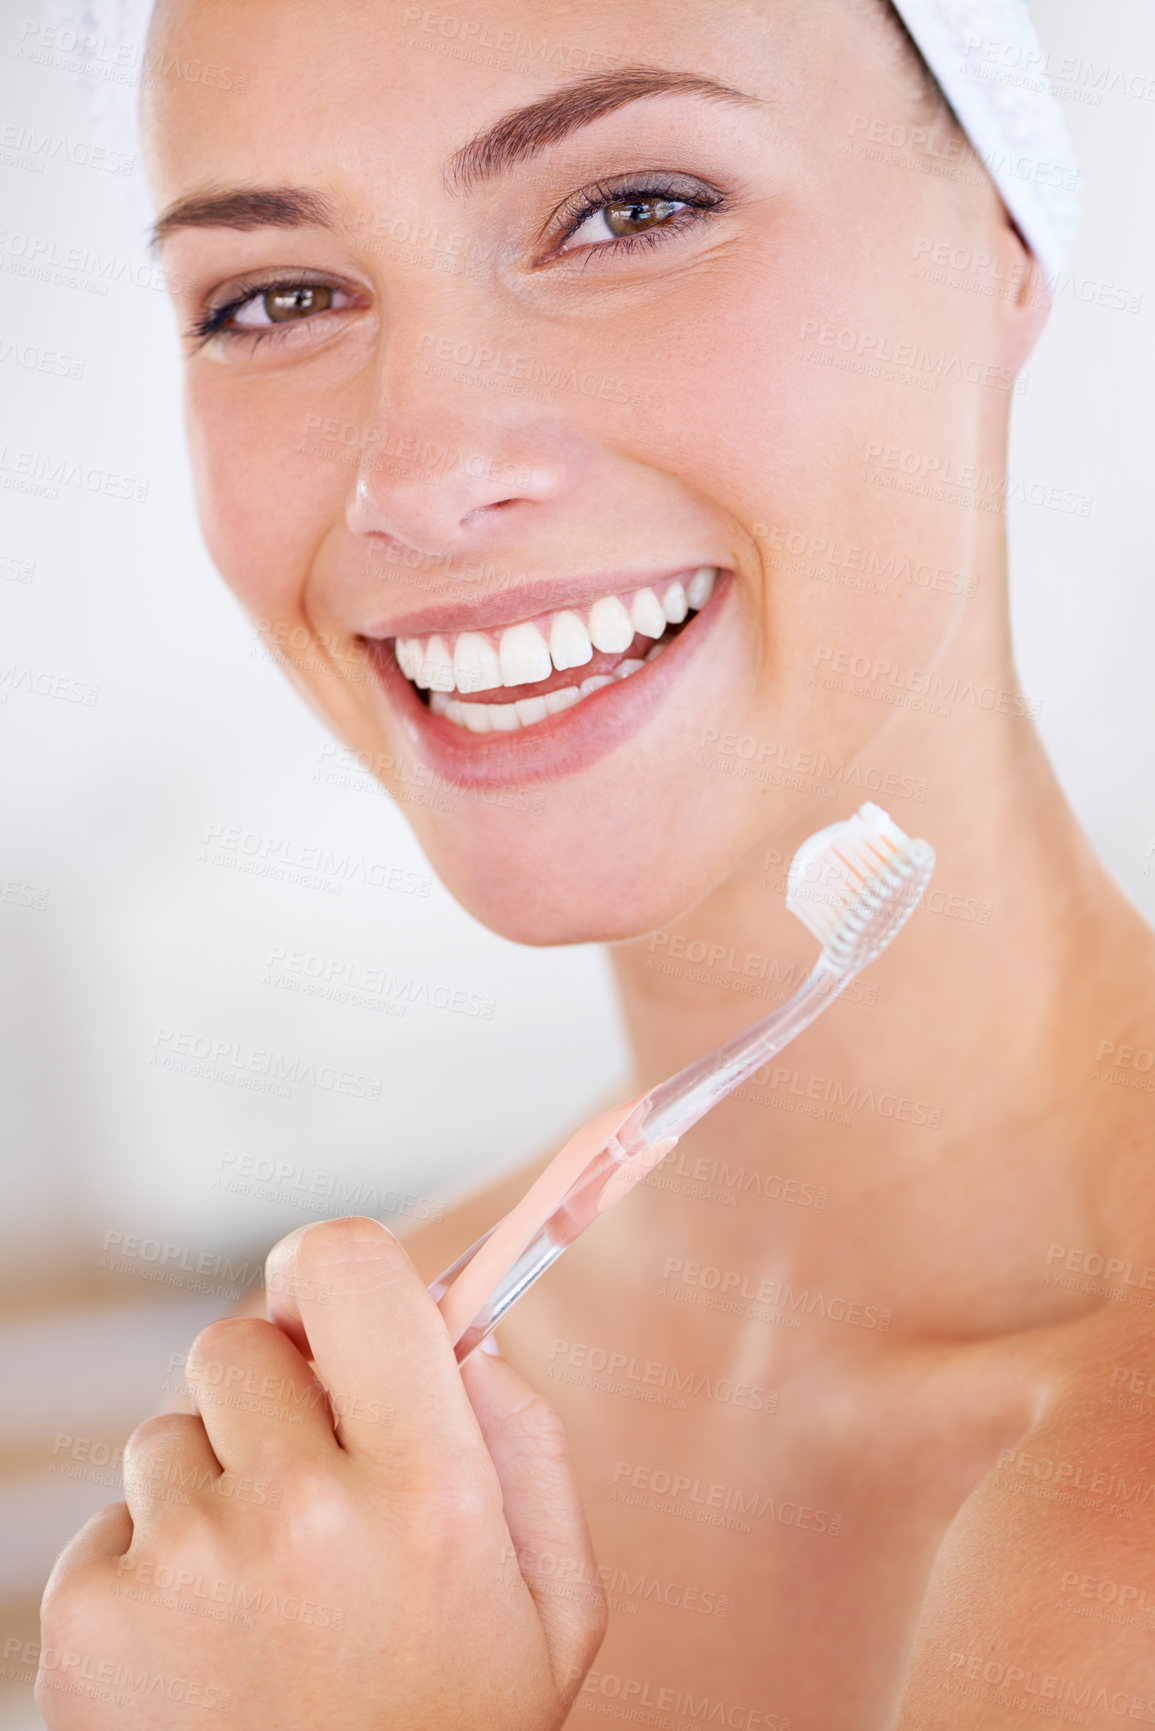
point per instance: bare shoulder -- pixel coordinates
(1042, 1596)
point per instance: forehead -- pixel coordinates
(301, 85)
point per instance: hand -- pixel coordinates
(338, 1548)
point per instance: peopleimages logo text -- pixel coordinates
(227, 1060)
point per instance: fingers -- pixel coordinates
(103, 1538)
(259, 1402)
(167, 1461)
(527, 1443)
(71, 1624)
(349, 1296)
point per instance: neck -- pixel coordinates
(948, 1091)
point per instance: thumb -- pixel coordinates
(529, 1448)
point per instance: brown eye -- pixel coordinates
(633, 217)
(281, 304)
(605, 215)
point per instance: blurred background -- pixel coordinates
(185, 853)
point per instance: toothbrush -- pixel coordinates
(854, 885)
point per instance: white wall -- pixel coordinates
(1084, 588)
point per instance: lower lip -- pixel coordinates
(560, 745)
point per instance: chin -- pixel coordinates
(574, 890)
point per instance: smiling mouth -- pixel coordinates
(506, 680)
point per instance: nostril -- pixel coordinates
(484, 510)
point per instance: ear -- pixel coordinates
(1028, 307)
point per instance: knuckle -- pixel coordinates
(191, 1534)
(143, 1436)
(537, 1428)
(355, 1239)
(227, 1338)
(169, 1429)
(70, 1614)
(315, 1513)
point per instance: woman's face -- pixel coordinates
(516, 325)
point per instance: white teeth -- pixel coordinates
(674, 604)
(520, 655)
(611, 627)
(524, 655)
(436, 668)
(505, 717)
(475, 663)
(648, 614)
(410, 654)
(528, 711)
(569, 642)
(701, 586)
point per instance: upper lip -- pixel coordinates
(531, 597)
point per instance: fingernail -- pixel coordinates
(489, 1344)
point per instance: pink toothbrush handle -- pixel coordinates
(590, 1173)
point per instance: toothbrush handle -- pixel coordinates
(471, 1316)
(606, 1158)
(530, 1266)
(678, 1104)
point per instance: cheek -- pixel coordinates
(784, 388)
(780, 364)
(769, 412)
(265, 496)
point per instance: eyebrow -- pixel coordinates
(246, 207)
(519, 135)
(525, 132)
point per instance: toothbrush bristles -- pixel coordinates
(856, 883)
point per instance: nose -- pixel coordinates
(443, 466)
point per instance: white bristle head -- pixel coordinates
(855, 884)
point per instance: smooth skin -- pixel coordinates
(919, 1494)
(334, 1545)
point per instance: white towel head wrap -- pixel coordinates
(988, 64)
(984, 55)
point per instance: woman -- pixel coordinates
(630, 342)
